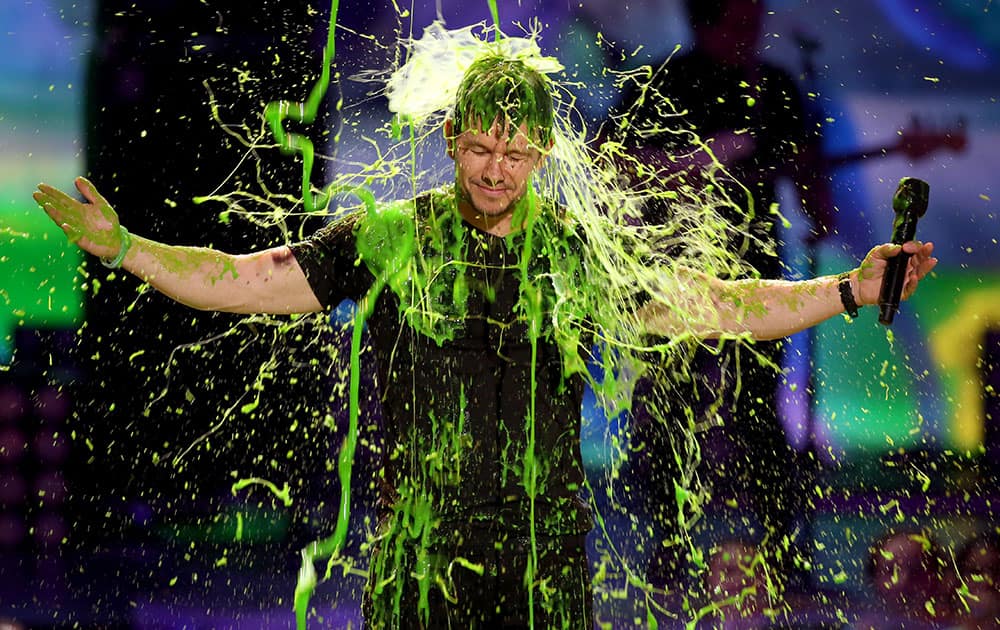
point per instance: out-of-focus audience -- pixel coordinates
(979, 583)
(917, 584)
(909, 575)
(914, 584)
(737, 586)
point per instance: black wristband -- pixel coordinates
(847, 294)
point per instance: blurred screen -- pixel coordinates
(43, 58)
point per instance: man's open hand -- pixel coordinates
(93, 225)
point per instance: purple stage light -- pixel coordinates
(12, 445)
(52, 405)
(12, 489)
(12, 530)
(50, 487)
(51, 447)
(12, 403)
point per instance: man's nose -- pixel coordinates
(494, 169)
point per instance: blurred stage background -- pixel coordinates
(98, 530)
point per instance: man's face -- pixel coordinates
(492, 173)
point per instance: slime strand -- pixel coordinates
(331, 546)
(284, 493)
(277, 112)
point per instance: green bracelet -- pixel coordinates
(126, 243)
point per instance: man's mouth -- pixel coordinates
(491, 190)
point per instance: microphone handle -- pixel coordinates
(892, 288)
(895, 270)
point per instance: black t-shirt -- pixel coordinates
(453, 366)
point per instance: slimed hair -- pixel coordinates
(498, 88)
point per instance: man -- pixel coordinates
(478, 361)
(751, 115)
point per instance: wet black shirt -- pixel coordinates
(457, 414)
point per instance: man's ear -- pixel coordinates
(449, 137)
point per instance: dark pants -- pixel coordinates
(458, 596)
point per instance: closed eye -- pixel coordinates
(475, 149)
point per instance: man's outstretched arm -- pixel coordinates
(771, 309)
(268, 281)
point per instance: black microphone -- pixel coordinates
(909, 203)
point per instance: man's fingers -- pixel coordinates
(50, 209)
(916, 247)
(52, 191)
(925, 267)
(55, 208)
(42, 198)
(45, 189)
(39, 198)
(922, 261)
(66, 216)
(887, 250)
(56, 197)
(920, 265)
(72, 233)
(90, 192)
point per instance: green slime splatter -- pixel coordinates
(596, 297)
(277, 112)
